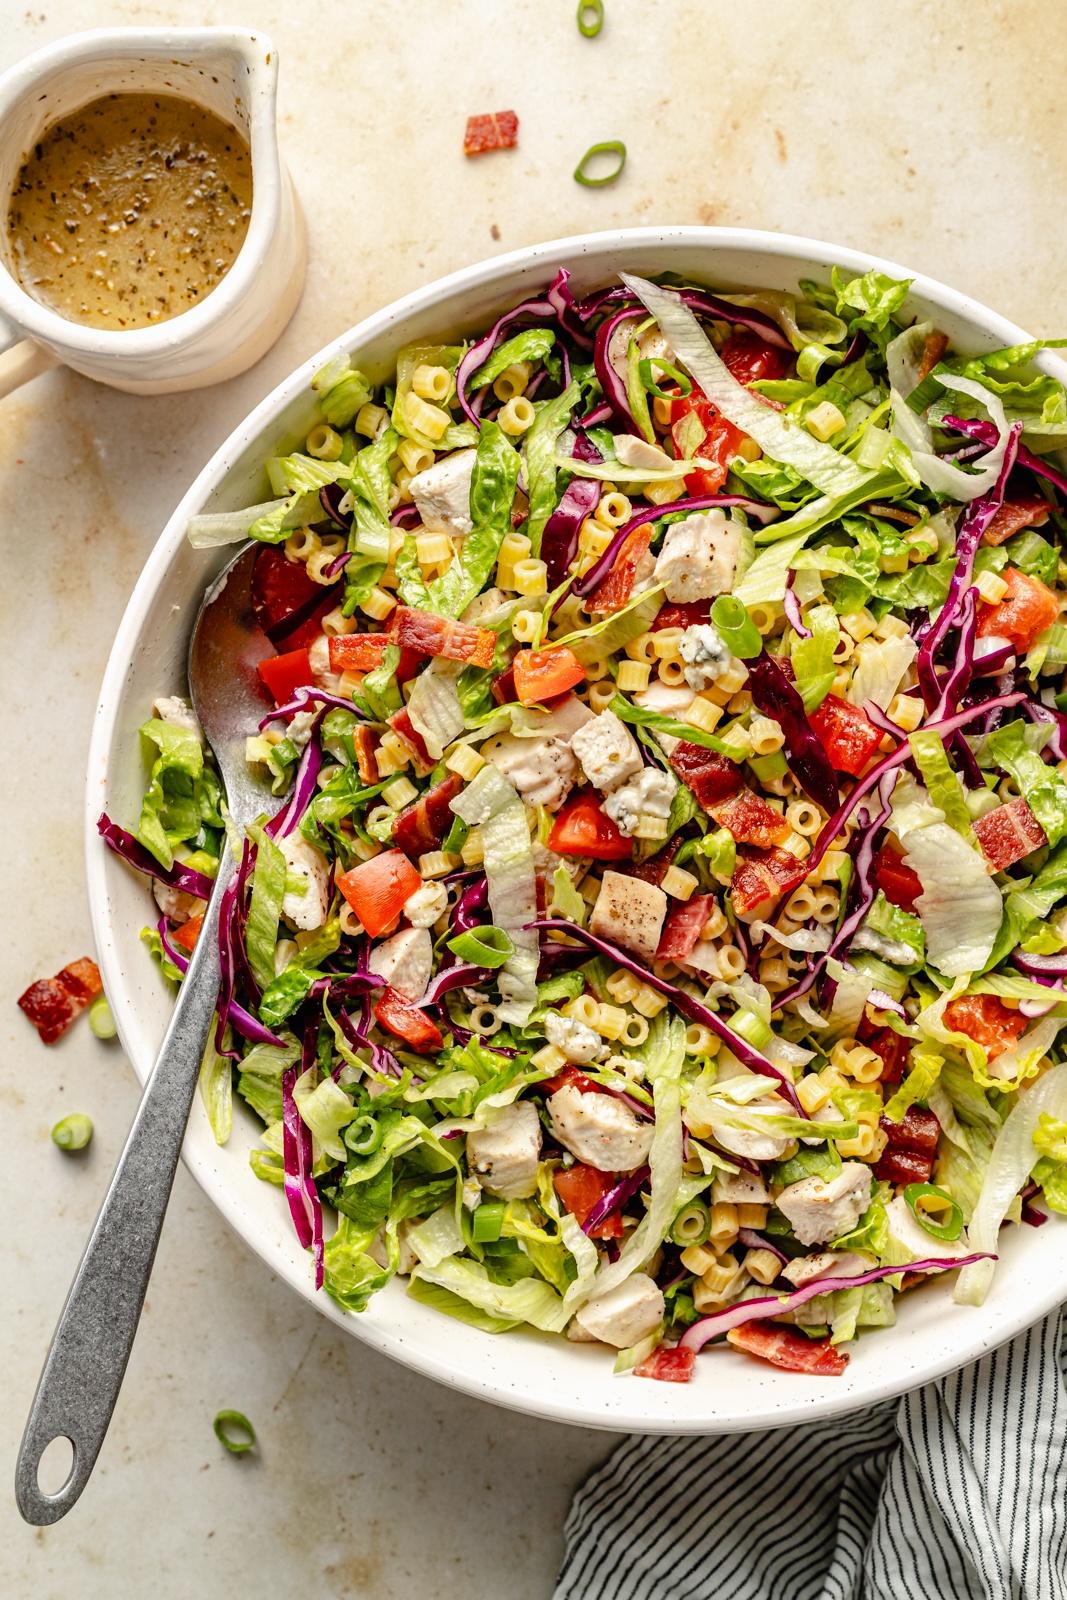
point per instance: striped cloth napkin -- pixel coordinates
(956, 1492)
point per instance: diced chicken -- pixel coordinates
(423, 908)
(483, 605)
(650, 793)
(379, 1252)
(629, 911)
(825, 1264)
(405, 962)
(599, 1130)
(178, 905)
(817, 1210)
(741, 1189)
(651, 345)
(608, 751)
(178, 712)
(635, 452)
(443, 494)
(626, 1314)
(706, 655)
(576, 1039)
(471, 1193)
(504, 1155)
(566, 718)
(913, 1236)
(669, 701)
(542, 770)
(699, 557)
(305, 911)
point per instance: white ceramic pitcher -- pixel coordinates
(232, 72)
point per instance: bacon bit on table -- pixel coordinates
(497, 131)
(53, 1003)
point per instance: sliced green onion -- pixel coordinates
(101, 1021)
(610, 147)
(736, 627)
(767, 768)
(234, 1430)
(73, 1133)
(595, 10)
(692, 1224)
(648, 378)
(487, 1221)
(364, 1135)
(483, 947)
(951, 1228)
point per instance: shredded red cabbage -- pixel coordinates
(986, 433)
(303, 791)
(776, 697)
(616, 1197)
(792, 611)
(302, 699)
(405, 516)
(471, 902)
(756, 1241)
(297, 1159)
(330, 497)
(559, 540)
(613, 386)
(482, 349)
(131, 851)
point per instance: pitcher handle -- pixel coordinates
(20, 359)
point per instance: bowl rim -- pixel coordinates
(801, 1405)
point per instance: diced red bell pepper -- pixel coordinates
(402, 724)
(570, 1078)
(363, 652)
(365, 742)
(1028, 608)
(934, 348)
(682, 929)
(53, 1003)
(900, 884)
(719, 446)
(750, 358)
(711, 777)
(581, 1188)
(784, 1347)
(284, 675)
(892, 1047)
(764, 877)
(987, 1020)
(504, 688)
(1009, 833)
(668, 1365)
(845, 734)
(683, 614)
(1013, 516)
(582, 829)
(499, 130)
(287, 604)
(189, 932)
(543, 674)
(376, 889)
(423, 824)
(613, 593)
(751, 820)
(407, 1022)
(430, 635)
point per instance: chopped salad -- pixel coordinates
(662, 939)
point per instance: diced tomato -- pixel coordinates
(583, 829)
(363, 652)
(684, 614)
(581, 1188)
(1015, 515)
(53, 1003)
(682, 929)
(1028, 608)
(499, 130)
(900, 884)
(618, 586)
(1009, 833)
(430, 635)
(751, 820)
(284, 675)
(750, 358)
(376, 889)
(543, 674)
(711, 777)
(987, 1020)
(189, 932)
(365, 743)
(784, 1347)
(668, 1365)
(719, 446)
(903, 1166)
(757, 879)
(402, 724)
(504, 688)
(892, 1047)
(845, 734)
(422, 826)
(407, 1022)
(570, 1078)
(288, 605)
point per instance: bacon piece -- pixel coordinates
(683, 927)
(402, 724)
(1009, 833)
(711, 777)
(910, 1149)
(934, 348)
(430, 635)
(499, 130)
(53, 1003)
(1014, 515)
(784, 1347)
(618, 586)
(669, 1366)
(751, 820)
(365, 742)
(653, 870)
(765, 877)
(421, 827)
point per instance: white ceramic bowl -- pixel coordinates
(531, 1372)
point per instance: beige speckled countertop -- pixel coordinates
(936, 136)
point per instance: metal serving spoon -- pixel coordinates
(85, 1365)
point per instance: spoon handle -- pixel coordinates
(84, 1368)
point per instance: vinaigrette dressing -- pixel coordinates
(131, 210)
